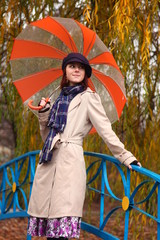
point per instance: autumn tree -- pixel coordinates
(130, 29)
(14, 16)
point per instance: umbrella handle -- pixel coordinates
(34, 107)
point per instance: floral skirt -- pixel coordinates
(68, 227)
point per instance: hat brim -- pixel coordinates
(88, 69)
(77, 58)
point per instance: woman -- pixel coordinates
(58, 191)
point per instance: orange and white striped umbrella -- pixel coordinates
(37, 56)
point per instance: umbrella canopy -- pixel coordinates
(37, 56)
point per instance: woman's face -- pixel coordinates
(75, 73)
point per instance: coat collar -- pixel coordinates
(77, 100)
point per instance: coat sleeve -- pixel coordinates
(103, 126)
(43, 119)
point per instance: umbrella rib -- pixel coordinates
(101, 73)
(39, 73)
(74, 48)
(117, 90)
(29, 85)
(88, 49)
(27, 48)
(87, 33)
(100, 59)
(72, 43)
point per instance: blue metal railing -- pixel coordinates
(16, 179)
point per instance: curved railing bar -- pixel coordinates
(147, 173)
(147, 214)
(17, 202)
(141, 170)
(108, 216)
(108, 186)
(96, 175)
(30, 158)
(106, 179)
(148, 196)
(122, 177)
(20, 167)
(24, 198)
(12, 173)
(6, 176)
(11, 203)
(6, 189)
(137, 188)
(102, 156)
(36, 152)
(91, 165)
(27, 174)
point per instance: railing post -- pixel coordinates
(3, 189)
(102, 194)
(16, 182)
(32, 159)
(127, 211)
(28, 237)
(158, 213)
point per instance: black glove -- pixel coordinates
(135, 162)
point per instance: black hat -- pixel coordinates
(77, 57)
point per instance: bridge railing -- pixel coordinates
(16, 179)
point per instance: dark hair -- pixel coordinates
(65, 82)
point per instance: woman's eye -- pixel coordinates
(81, 67)
(72, 66)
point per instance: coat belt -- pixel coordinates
(72, 140)
(58, 139)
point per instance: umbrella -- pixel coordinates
(37, 56)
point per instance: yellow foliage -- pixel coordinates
(96, 7)
(144, 221)
(91, 14)
(127, 27)
(109, 24)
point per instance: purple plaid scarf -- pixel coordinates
(58, 118)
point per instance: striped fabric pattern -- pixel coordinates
(58, 118)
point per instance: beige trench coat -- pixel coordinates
(59, 186)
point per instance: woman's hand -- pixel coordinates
(45, 105)
(42, 103)
(134, 163)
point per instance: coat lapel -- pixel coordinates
(76, 101)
